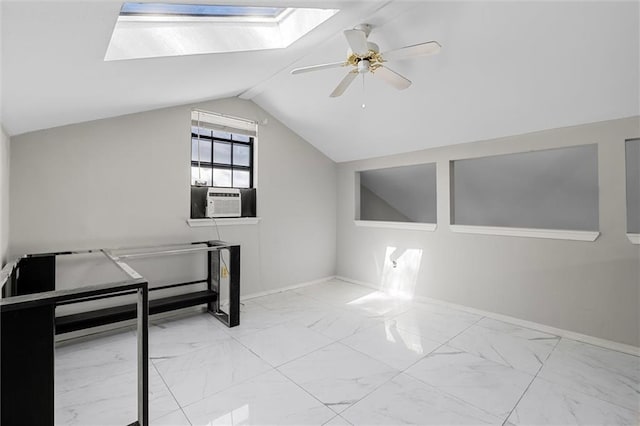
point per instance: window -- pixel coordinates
(221, 155)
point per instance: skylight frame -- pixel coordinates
(174, 10)
(140, 36)
(283, 13)
(212, 19)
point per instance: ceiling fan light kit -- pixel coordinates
(365, 57)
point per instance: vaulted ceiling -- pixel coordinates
(505, 68)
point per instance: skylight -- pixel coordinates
(198, 10)
(149, 30)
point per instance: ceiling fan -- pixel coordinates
(364, 56)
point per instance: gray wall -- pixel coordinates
(411, 190)
(552, 189)
(126, 180)
(587, 287)
(4, 196)
(633, 186)
(373, 207)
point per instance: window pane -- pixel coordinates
(241, 138)
(221, 135)
(222, 152)
(205, 150)
(240, 179)
(200, 130)
(221, 177)
(204, 177)
(241, 155)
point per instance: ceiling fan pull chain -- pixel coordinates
(363, 93)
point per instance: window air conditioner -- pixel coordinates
(223, 202)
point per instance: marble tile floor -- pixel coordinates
(336, 353)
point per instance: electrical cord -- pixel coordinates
(215, 222)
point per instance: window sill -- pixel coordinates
(555, 234)
(416, 226)
(230, 221)
(634, 238)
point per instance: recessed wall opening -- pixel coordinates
(633, 185)
(548, 189)
(398, 194)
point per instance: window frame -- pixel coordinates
(212, 165)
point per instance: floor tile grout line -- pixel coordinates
(171, 392)
(570, 389)
(340, 305)
(302, 356)
(533, 377)
(444, 391)
(399, 371)
(601, 347)
(551, 382)
(333, 341)
(310, 394)
(348, 347)
(331, 419)
(506, 364)
(445, 343)
(271, 368)
(241, 382)
(506, 419)
(339, 416)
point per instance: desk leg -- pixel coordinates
(232, 318)
(27, 366)
(213, 280)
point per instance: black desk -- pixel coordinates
(28, 322)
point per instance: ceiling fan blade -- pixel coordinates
(392, 77)
(346, 81)
(407, 52)
(357, 40)
(319, 67)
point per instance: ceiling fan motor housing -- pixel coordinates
(363, 66)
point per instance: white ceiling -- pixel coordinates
(505, 68)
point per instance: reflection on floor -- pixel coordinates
(339, 354)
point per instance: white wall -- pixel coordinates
(372, 207)
(4, 196)
(633, 186)
(587, 287)
(126, 180)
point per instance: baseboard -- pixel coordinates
(291, 287)
(597, 341)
